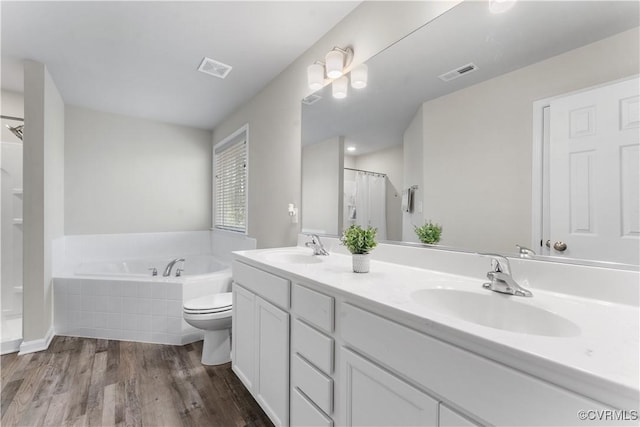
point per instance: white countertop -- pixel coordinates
(602, 362)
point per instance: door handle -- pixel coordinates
(560, 246)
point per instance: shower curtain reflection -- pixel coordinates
(365, 200)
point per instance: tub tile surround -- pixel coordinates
(94, 309)
(74, 250)
(602, 362)
(145, 309)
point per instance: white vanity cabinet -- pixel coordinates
(313, 354)
(376, 397)
(485, 389)
(260, 340)
(312, 357)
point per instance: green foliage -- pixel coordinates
(359, 240)
(429, 233)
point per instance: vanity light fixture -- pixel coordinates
(315, 76)
(339, 87)
(500, 6)
(359, 76)
(336, 61)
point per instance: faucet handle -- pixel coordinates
(154, 271)
(499, 263)
(524, 251)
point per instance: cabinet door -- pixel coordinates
(450, 418)
(376, 397)
(243, 358)
(272, 385)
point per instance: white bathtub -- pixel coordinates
(122, 300)
(196, 265)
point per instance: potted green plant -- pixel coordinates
(429, 233)
(360, 242)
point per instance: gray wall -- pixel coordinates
(274, 114)
(413, 175)
(130, 175)
(322, 178)
(478, 143)
(12, 105)
(43, 195)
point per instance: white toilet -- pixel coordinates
(212, 313)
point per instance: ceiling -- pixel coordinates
(140, 58)
(406, 74)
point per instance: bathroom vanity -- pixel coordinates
(317, 344)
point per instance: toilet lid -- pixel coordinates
(209, 303)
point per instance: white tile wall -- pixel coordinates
(224, 242)
(125, 310)
(73, 250)
(128, 310)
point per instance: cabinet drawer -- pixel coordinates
(312, 306)
(313, 383)
(469, 381)
(303, 413)
(269, 286)
(313, 346)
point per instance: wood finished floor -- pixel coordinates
(89, 382)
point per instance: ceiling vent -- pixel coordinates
(311, 99)
(214, 68)
(454, 74)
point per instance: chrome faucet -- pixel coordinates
(167, 269)
(501, 280)
(525, 252)
(316, 245)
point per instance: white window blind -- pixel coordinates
(230, 166)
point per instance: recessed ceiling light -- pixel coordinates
(351, 148)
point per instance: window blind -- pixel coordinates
(230, 165)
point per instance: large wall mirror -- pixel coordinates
(512, 128)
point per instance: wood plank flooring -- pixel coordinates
(89, 382)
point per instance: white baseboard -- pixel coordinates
(36, 345)
(12, 346)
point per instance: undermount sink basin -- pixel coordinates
(293, 257)
(496, 311)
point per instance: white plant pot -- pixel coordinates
(360, 263)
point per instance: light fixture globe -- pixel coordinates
(334, 62)
(339, 87)
(359, 76)
(500, 6)
(315, 76)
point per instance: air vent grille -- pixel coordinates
(311, 99)
(454, 74)
(214, 68)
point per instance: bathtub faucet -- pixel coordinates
(167, 269)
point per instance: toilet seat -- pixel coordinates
(209, 304)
